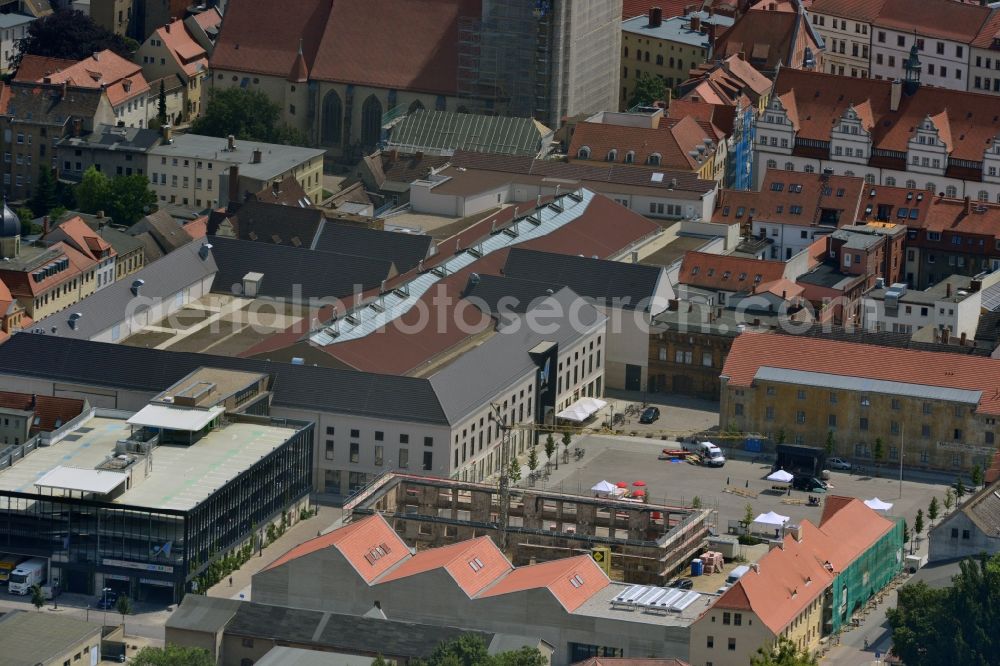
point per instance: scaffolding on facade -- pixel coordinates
(504, 62)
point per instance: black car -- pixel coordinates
(649, 415)
(682, 584)
(808, 483)
(107, 601)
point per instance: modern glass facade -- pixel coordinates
(92, 541)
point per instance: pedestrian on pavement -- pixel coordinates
(230, 581)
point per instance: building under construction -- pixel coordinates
(635, 541)
(545, 59)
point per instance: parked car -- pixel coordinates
(682, 584)
(649, 415)
(808, 483)
(107, 601)
(837, 463)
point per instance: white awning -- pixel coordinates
(604, 487)
(780, 475)
(175, 418)
(878, 505)
(771, 518)
(96, 481)
(582, 409)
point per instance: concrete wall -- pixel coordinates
(710, 639)
(132, 323)
(206, 640)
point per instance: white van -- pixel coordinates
(711, 455)
(736, 574)
(26, 575)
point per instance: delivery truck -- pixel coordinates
(26, 575)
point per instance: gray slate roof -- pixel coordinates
(477, 375)
(32, 638)
(102, 309)
(200, 613)
(331, 390)
(109, 137)
(444, 131)
(404, 250)
(344, 632)
(41, 103)
(290, 271)
(603, 281)
(496, 293)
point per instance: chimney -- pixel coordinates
(45, 226)
(962, 339)
(230, 142)
(947, 289)
(168, 132)
(234, 184)
(710, 33)
(73, 318)
(97, 55)
(65, 87)
(166, 26)
(695, 23)
(946, 335)
(895, 94)
(204, 250)
(136, 286)
(655, 17)
(256, 155)
(99, 215)
(968, 205)
(471, 284)
(937, 335)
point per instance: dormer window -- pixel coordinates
(743, 276)
(725, 276)
(583, 153)
(612, 155)
(476, 564)
(654, 159)
(694, 271)
(630, 157)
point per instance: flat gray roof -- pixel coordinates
(826, 380)
(676, 29)
(275, 159)
(599, 606)
(182, 476)
(27, 637)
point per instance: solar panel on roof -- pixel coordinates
(685, 601)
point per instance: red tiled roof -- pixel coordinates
(821, 99)
(21, 283)
(934, 18)
(122, 78)
(727, 272)
(812, 192)
(400, 44)
(571, 580)
(944, 214)
(187, 53)
(198, 227)
(768, 38)
(473, 564)
(208, 19)
(671, 143)
(370, 545)
(51, 412)
(858, 10)
(34, 68)
(750, 351)
(81, 237)
(671, 8)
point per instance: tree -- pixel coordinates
(878, 452)
(69, 34)
(380, 661)
(977, 476)
(649, 88)
(26, 216)
(131, 199)
(781, 436)
(44, 197)
(533, 459)
(949, 499)
(161, 105)
(172, 655)
(951, 625)
(918, 524)
(124, 607)
(93, 191)
(784, 653)
(246, 114)
(37, 598)
(960, 490)
(906, 532)
(747, 516)
(514, 471)
(125, 198)
(830, 444)
(470, 650)
(567, 439)
(550, 447)
(696, 502)
(933, 510)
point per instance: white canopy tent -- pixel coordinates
(175, 418)
(83, 481)
(582, 409)
(771, 518)
(878, 505)
(604, 487)
(780, 476)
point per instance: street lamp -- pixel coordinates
(104, 603)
